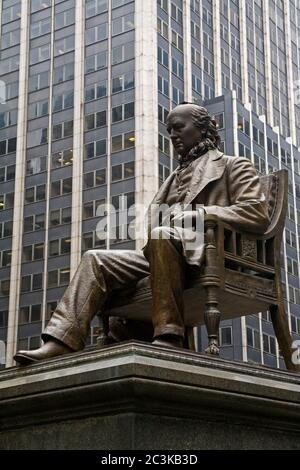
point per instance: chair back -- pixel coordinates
(275, 189)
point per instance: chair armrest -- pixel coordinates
(235, 245)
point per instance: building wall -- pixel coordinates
(85, 88)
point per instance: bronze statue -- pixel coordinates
(226, 186)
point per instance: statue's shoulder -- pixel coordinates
(232, 160)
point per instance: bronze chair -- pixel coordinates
(240, 276)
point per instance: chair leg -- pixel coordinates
(103, 338)
(282, 332)
(212, 318)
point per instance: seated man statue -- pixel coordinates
(228, 187)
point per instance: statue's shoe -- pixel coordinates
(50, 349)
(168, 341)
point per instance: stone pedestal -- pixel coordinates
(137, 396)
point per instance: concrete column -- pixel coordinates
(187, 51)
(290, 142)
(15, 274)
(276, 129)
(289, 64)
(48, 185)
(268, 67)
(146, 104)
(244, 53)
(236, 153)
(78, 137)
(217, 47)
(109, 119)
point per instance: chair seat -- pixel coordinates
(241, 293)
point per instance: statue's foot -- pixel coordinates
(50, 349)
(168, 341)
(213, 348)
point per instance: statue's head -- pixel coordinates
(190, 126)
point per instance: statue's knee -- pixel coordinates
(89, 256)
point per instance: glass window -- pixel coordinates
(6, 258)
(226, 336)
(38, 252)
(64, 18)
(52, 278)
(64, 276)
(95, 7)
(24, 315)
(39, 222)
(55, 188)
(128, 110)
(249, 337)
(117, 142)
(101, 119)
(129, 140)
(39, 54)
(117, 84)
(64, 45)
(12, 145)
(116, 173)
(67, 186)
(66, 215)
(4, 287)
(90, 122)
(40, 27)
(88, 210)
(27, 253)
(100, 177)
(128, 170)
(68, 157)
(88, 180)
(54, 248)
(39, 81)
(51, 306)
(40, 192)
(64, 73)
(57, 132)
(117, 114)
(3, 317)
(8, 229)
(56, 160)
(54, 218)
(58, 103)
(90, 150)
(68, 128)
(35, 313)
(39, 4)
(26, 284)
(65, 245)
(100, 147)
(87, 241)
(29, 195)
(68, 99)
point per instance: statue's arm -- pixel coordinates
(248, 210)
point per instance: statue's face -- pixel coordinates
(183, 132)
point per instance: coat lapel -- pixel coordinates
(213, 170)
(162, 194)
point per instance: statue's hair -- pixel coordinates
(208, 126)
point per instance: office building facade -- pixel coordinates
(85, 88)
